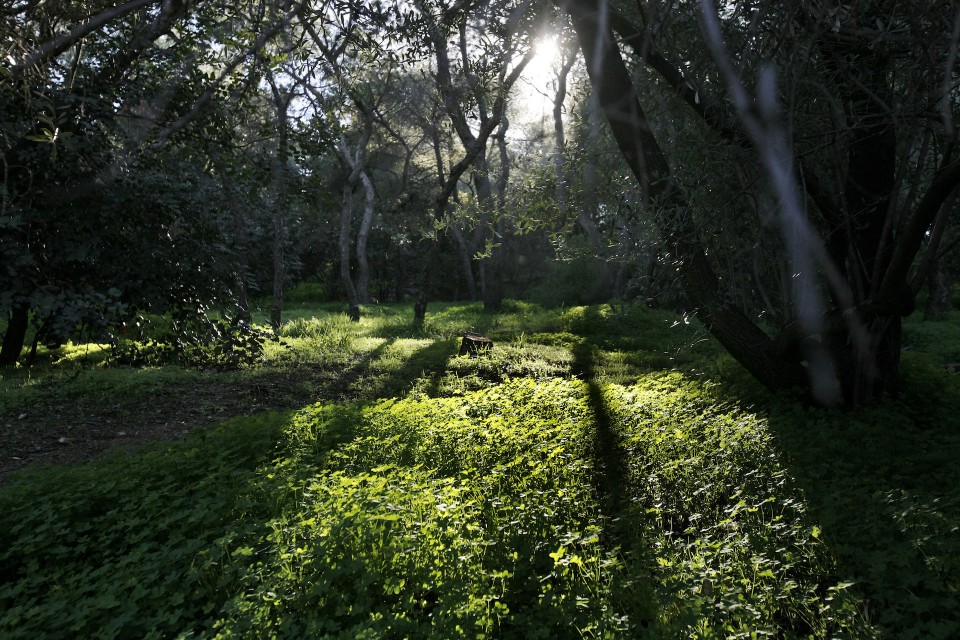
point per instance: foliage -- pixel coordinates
(884, 483)
(193, 338)
(594, 496)
(574, 282)
(110, 547)
(938, 339)
(737, 550)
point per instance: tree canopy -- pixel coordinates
(786, 171)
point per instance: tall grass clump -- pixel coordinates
(326, 338)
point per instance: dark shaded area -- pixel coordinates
(611, 488)
(93, 518)
(886, 494)
(67, 427)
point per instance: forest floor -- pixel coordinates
(574, 420)
(60, 428)
(57, 430)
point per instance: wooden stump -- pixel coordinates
(474, 343)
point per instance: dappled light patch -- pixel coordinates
(485, 513)
(566, 483)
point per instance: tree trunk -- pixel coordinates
(466, 261)
(493, 283)
(604, 288)
(632, 132)
(279, 237)
(355, 163)
(492, 280)
(363, 266)
(282, 105)
(16, 335)
(346, 215)
(583, 219)
(939, 302)
(475, 144)
(872, 243)
(867, 372)
(426, 280)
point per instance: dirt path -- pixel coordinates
(60, 432)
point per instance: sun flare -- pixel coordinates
(538, 82)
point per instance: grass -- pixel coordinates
(598, 474)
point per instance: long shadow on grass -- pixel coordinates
(609, 455)
(612, 491)
(373, 375)
(429, 362)
(885, 486)
(340, 388)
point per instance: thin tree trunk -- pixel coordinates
(494, 292)
(282, 104)
(939, 303)
(363, 265)
(346, 216)
(279, 237)
(559, 135)
(491, 285)
(466, 261)
(433, 255)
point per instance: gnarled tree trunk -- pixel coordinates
(868, 247)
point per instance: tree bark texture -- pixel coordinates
(355, 163)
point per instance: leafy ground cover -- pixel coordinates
(601, 473)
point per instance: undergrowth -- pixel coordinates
(601, 473)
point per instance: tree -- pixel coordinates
(434, 24)
(89, 98)
(872, 186)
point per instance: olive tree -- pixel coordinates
(844, 113)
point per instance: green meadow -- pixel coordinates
(602, 472)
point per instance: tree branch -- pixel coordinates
(58, 45)
(911, 236)
(207, 95)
